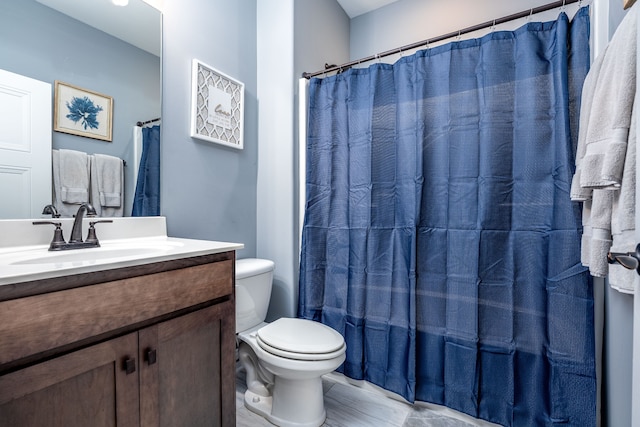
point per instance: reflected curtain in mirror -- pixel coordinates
(146, 201)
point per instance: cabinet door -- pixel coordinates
(88, 387)
(187, 376)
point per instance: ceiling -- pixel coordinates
(355, 8)
(138, 23)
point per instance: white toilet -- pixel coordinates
(284, 360)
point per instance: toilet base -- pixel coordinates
(287, 391)
(304, 403)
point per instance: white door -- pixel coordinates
(25, 146)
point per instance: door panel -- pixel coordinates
(25, 146)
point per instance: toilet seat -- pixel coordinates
(300, 339)
(299, 356)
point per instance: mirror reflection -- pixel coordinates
(96, 46)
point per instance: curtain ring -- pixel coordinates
(564, 2)
(493, 27)
(530, 15)
(458, 38)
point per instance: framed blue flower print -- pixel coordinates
(82, 112)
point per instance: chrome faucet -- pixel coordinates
(76, 231)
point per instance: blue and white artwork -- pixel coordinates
(82, 112)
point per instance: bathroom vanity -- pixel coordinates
(125, 336)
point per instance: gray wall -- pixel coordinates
(208, 190)
(41, 43)
(294, 36)
(409, 21)
(617, 360)
(618, 324)
(321, 34)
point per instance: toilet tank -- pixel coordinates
(254, 278)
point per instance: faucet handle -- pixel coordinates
(51, 210)
(91, 235)
(58, 239)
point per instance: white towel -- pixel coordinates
(107, 178)
(74, 176)
(67, 192)
(578, 192)
(596, 238)
(612, 91)
(108, 173)
(606, 153)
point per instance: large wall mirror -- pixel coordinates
(95, 45)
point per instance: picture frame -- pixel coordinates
(217, 106)
(82, 112)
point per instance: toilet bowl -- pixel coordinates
(284, 360)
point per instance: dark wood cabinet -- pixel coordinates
(87, 387)
(145, 347)
(181, 378)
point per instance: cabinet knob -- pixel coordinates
(129, 365)
(150, 356)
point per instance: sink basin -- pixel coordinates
(105, 253)
(126, 242)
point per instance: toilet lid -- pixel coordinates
(289, 337)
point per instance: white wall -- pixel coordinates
(293, 36)
(275, 165)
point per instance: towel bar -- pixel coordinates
(629, 260)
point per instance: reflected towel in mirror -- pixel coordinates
(107, 178)
(70, 180)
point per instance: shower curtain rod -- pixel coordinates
(488, 24)
(140, 124)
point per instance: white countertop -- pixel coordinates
(148, 243)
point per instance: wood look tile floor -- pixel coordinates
(352, 406)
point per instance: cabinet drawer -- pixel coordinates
(39, 323)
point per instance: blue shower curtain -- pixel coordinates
(439, 236)
(146, 201)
